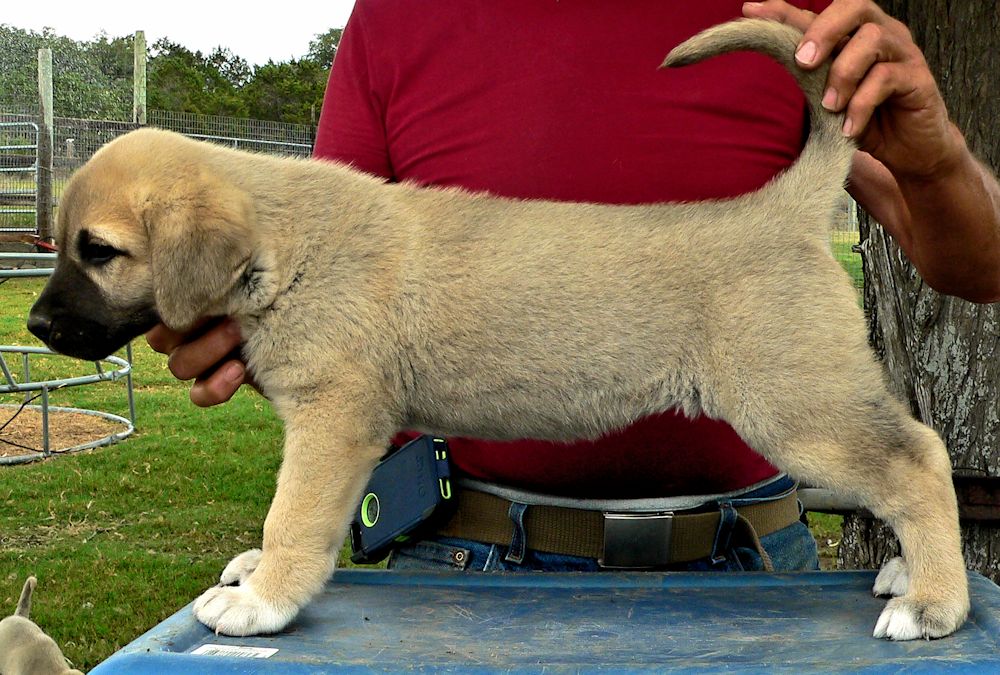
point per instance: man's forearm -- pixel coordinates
(955, 228)
(947, 223)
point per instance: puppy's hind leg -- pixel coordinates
(862, 443)
(930, 580)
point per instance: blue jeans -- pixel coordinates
(791, 548)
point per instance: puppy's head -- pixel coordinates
(147, 231)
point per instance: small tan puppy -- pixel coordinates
(368, 308)
(24, 648)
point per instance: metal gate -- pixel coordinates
(19, 173)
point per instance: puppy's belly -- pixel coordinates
(554, 415)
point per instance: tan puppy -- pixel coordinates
(367, 308)
(24, 648)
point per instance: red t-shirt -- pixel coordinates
(564, 100)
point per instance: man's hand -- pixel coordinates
(880, 78)
(205, 355)
(915, 174)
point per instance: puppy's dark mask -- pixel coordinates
(73, 318)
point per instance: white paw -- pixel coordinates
(898, 621)
(239, 611)
(240, 567)
(904, 619)
(893, 580)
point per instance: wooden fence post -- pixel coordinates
(43, 194)
(139, 79)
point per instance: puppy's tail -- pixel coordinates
(826, 157)
(24, 604)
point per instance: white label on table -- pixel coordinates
(235, 650)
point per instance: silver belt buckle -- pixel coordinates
(636, 540)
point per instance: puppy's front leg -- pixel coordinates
(323, 473)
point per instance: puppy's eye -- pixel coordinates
(97, 254)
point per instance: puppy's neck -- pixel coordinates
(258, 286)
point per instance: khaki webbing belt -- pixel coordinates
(484, 517)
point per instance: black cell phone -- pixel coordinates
(408, 488)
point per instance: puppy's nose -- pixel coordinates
(40, 326)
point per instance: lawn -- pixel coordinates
(123, 536)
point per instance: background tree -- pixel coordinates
(943, 354)
(234, 69)
(323, 47)
(113, 56)
(184, 81)
(93, 79)
(87, 79)
(289, 92)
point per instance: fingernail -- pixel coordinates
(806, 54)
(233, 372)
(848, 127)
(830, 99)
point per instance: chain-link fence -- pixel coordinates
(241, 133)
(75, 140)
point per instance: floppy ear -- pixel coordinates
(201, 238)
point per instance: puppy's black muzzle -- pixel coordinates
(73, 318)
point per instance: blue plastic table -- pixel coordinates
(687, 622)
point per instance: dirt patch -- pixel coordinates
(23, 435)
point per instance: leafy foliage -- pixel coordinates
(324, 47)
(186, 81)
(90, 79)
(93, 79)
(290, 92)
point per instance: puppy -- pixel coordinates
(24, 648)
(368, 308)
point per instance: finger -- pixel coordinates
(165, 340)
(203, 353)
(778, 10)
(870, 45)
(883, 81)
(219, 385)
(162, 339)
(831, 26)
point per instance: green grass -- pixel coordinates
(842, 243)
(123, 536)
(826, 530)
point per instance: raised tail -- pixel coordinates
(24, 604)
(827, 153)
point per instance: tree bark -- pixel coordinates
(942, 355)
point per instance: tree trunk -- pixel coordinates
(942, 354)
